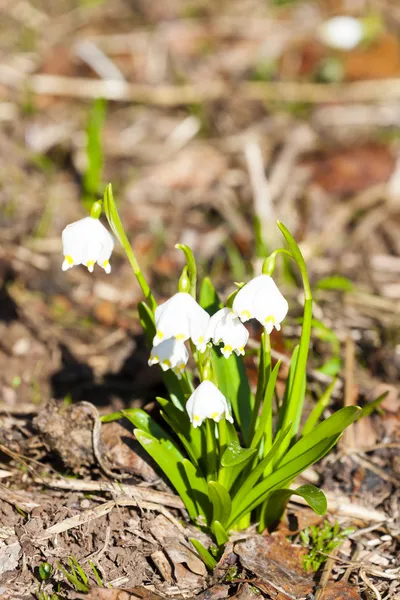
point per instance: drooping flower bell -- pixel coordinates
(170, 354)
(207, 402)
(261, 299)
(226, 327)
(341, 32)
(87, 242)
(181, 318)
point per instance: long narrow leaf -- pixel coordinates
(283, 476)
(198, 489)
(255, 475)
(193, 439)
(206, 557)
(318, 409)
(143, 421)
(333, 425)
(264, 425)
(220, 534)
(233, 383)
(276, 503)
(168, 457)
(233, 461)
(221, 502)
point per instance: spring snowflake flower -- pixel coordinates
(170, 354)
(86, 242)
(225, 327)
(181, 318)
(261, 299)
(342, 32)
(207, 402)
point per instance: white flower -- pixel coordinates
(170, 354)
(342, 32)
(181, 318)
(261, 299)
(225, 327)
(86, 242)
(207, 402)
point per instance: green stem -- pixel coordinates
(296, 396)
(116, 225)
(211, 444)
(264, 369)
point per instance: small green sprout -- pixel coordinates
(76, 576)
(45, 570)
(321, 541)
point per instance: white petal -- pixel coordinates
(270, 306)
(244, 299)
(198, 323)
(207, 402)
(341, 32)
(225, 327)
(86, 242)
(170, 354)
(172, 318)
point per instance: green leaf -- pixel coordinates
(251, 480)
(208, 297)
(221, 501)
(318, 409)
(234, 460)
(334, 425)
(369, 408)
(168, 458)
(114, 221)
(197, 485)
(192, 438)
(306, 452)
(191, 264)
(233, 383)
(283, 476)
(206, 557)
(235, 454)
(335, 282)
(220, 534)
(143, 421)
(276, 503)
(332, 366)
(146, 318)
(295, 400)
(264, 426)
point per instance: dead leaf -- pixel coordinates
(216, 592)
(245, 592)
(350, 170)
(340, 590)
(124, 452)
(277, 565)
(136, 593)
(179, 552)
(379, 60)
(9, 556)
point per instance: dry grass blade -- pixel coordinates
(131, 491)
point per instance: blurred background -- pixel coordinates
(211, 120)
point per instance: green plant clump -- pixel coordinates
(231, 453)
(321, 541)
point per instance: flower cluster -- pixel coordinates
(181, 318)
